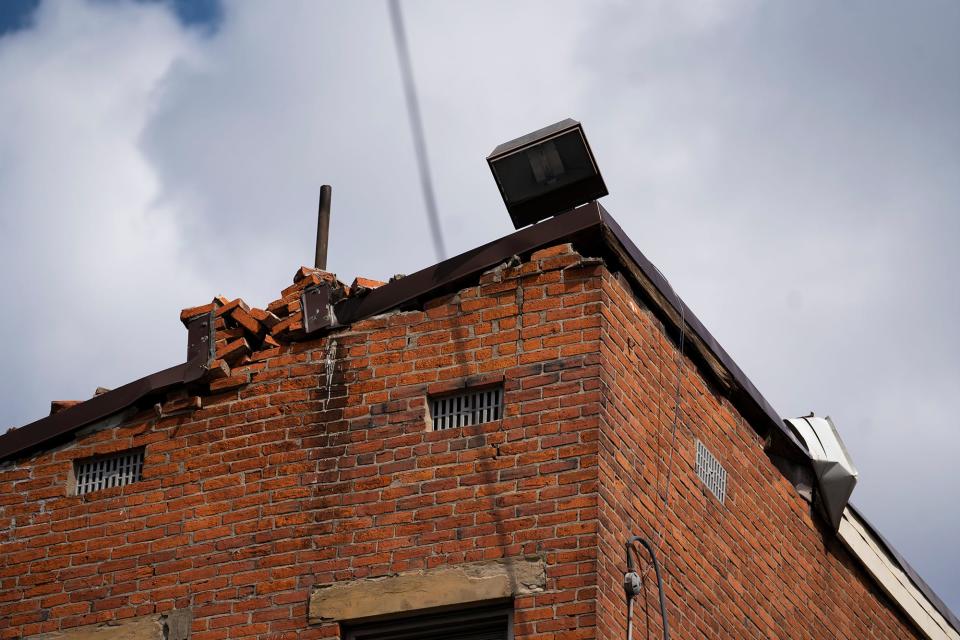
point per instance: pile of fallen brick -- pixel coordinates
(245, 336)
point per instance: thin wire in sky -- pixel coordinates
(416, 126)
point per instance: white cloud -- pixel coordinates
(790, 167)
(92, 275)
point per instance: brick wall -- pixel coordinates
(760, 565)
(322, 469)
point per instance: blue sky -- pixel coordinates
(18, 14)
(790, 166)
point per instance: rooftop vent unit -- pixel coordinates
(836, 475)
(546, 172)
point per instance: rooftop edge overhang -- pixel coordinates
(59, 426)
(589, 227)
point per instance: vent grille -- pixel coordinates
(104, 472)
(465, 409)
(711, 472)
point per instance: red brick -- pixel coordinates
(193, 312)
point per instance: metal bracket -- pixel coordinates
(317, 310)
(200, 344)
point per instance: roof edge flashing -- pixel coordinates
(928, 614)
(40, 433)
(836, 474)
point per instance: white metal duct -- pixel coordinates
(836, 475)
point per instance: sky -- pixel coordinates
(793, 168)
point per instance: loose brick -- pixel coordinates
(193, 312)
(230, 382)
(231, 352)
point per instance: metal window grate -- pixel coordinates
(103, 472)
(464, 409)
(711, 472)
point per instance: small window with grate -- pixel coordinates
(711, 472)
(104, 472)
(464, 409)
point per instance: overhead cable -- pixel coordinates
(416, 127)
(632, 581)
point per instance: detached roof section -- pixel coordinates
(591, 229)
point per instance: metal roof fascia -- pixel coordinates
(918, 581)
(39, 432)
(59, 424)
(584, 220)
(757, 405)
(456, 270)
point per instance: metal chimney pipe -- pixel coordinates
(323, 228)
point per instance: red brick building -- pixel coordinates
(305, 473)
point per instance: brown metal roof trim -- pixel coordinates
(451, 273)
(592, 229)
(59, 425)
(589, 226)
(744, 395)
